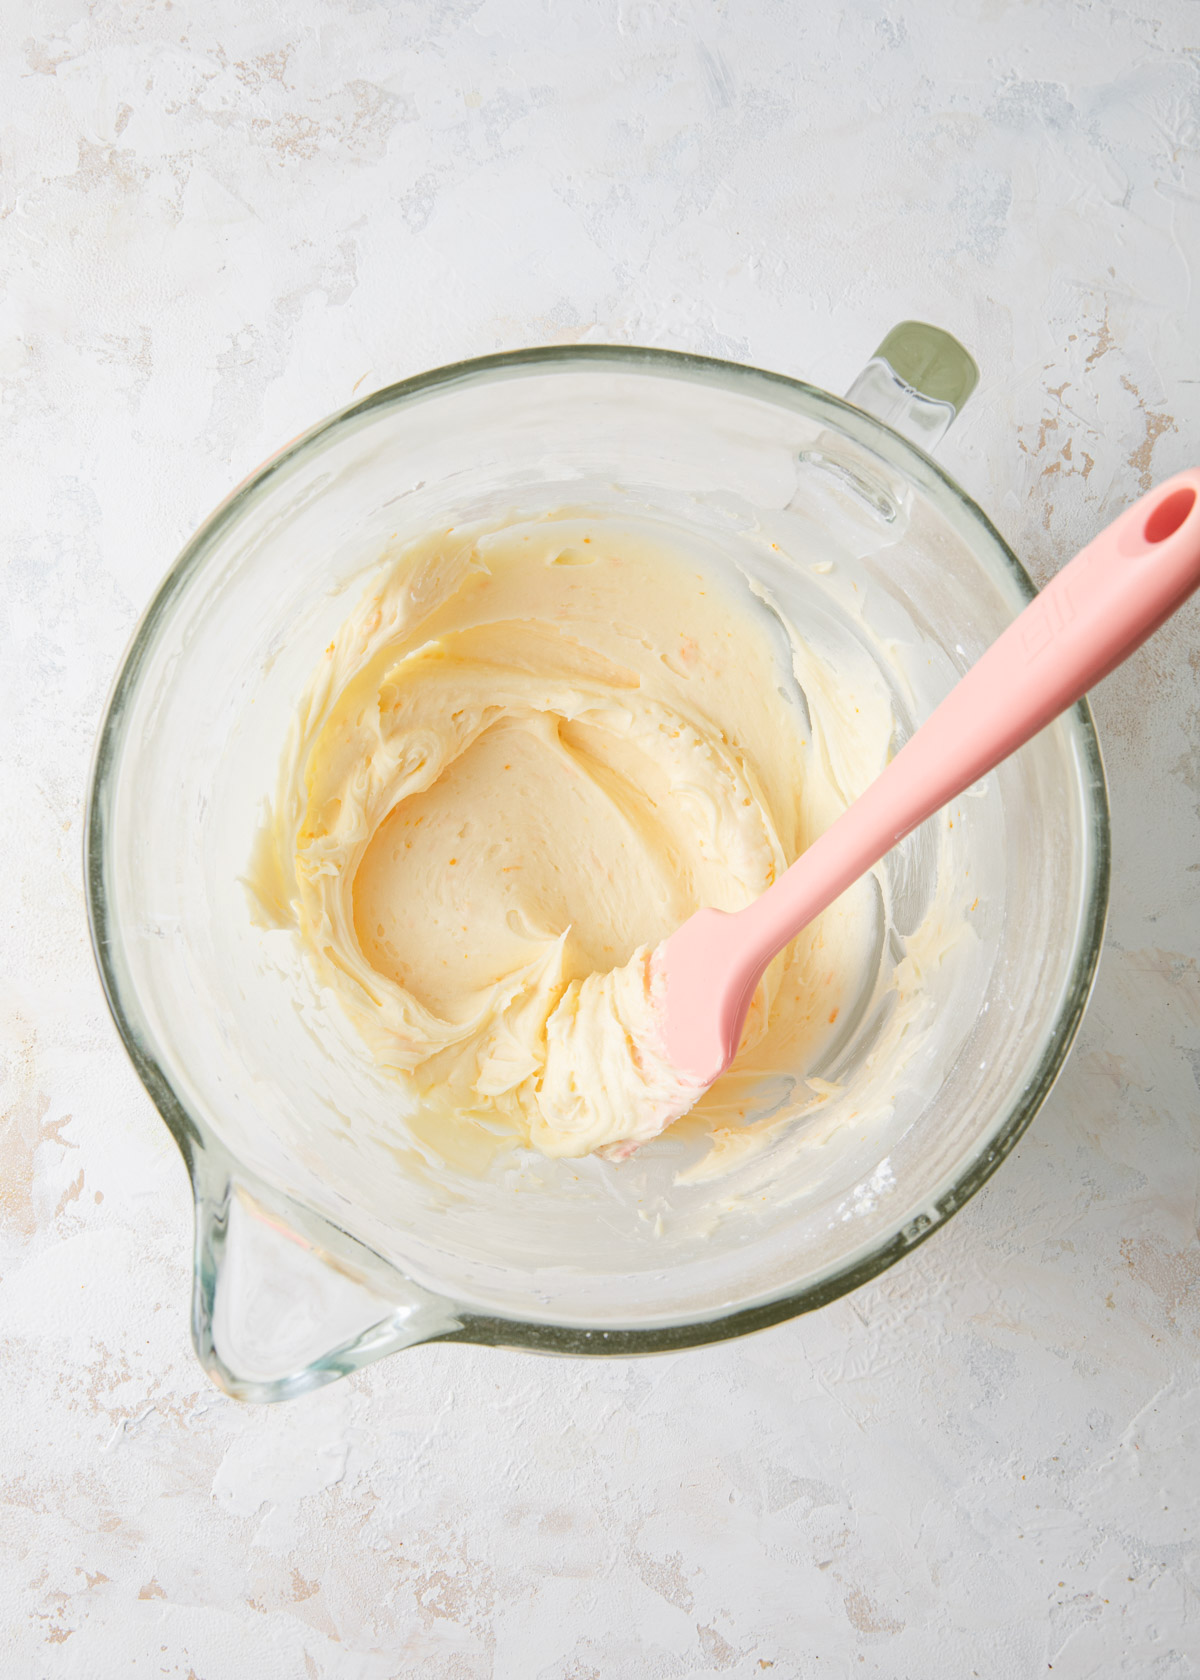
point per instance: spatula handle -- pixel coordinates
(1089, 618)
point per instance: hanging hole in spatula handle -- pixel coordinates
(1168, 515)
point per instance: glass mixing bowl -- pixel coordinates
(322, 1239)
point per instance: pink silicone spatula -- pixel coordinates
(1090, 617)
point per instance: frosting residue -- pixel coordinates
(532, 752)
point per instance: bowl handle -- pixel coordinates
(916, 382)
(283, 1301)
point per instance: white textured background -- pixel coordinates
(218, 220)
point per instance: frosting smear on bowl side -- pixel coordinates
(531, 753)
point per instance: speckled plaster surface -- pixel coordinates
(217, 222)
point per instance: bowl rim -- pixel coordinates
(785, 391)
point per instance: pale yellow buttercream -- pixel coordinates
(532, 752)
